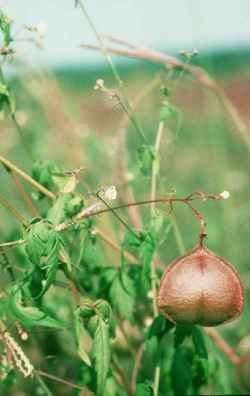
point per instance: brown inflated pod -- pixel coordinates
(200, 288)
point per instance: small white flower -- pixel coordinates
(148, 321)
(99, 84)
(109, 193)
(24, 336)
(224, 194)
(41, 28)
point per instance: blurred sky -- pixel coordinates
(163, 24)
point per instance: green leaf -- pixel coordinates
(147, 249)
(88, 249)
(4, 90)
(5, 27)
(199, 342)
(181, 372)
(30, 316)
(155, 344)
(200, 372)
(142, 245)
(105, 311)
(181, 333)
(132, 240)
(201, 368)
(92, 325)
(121, 296)
(42, 171)
(151, 355)
(102, 355)
(159, 327)
(7, 101)
(145, 156)
(80, 338)
(144, 389)
(42, 249)
(74, 206)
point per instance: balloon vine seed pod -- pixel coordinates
(200, 288)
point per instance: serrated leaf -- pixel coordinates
(102, 355)
(80, 339)
(30, 316)
(42, 248)
(105, 311)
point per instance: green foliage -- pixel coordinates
(181, 371)
(5, 28)
(98, 320)
(30, 315)
(145, 157)
(122, 294)
(42, 172)
(102, 354)
(143, 246)
(80, 338)
(190, 368)
(144, 390)
(7, 101)
(42, 248)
